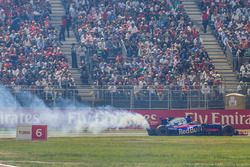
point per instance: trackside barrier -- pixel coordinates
(239, 119)
(244, 132)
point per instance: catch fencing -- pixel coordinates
(121, 97)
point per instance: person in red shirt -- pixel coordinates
(204, 21)
(63, 28)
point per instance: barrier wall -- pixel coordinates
(239, 119)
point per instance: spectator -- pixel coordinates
(205, 21)
(242, 88)
(130, 37)
(29, 52)
(68, 23)
(74, 56)
(205, 90)
(62, 29)
(245, 72)
(230, 22)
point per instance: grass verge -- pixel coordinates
(128, 152)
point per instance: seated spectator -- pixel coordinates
(141, 43)
(245, 72)
(230, 23)
(242, 88)
(30, 52)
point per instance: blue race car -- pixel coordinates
(182, 127)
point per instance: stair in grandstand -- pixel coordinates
(212, 46)
(85, 92)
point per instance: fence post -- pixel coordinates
(170, 99)
(206, 102)
(168, 94)
(132, 99)
(189, 99)
(54, 97)
(150, 100)
(112, 98)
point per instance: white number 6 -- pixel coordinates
(39, 132)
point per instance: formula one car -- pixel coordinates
(181, 127)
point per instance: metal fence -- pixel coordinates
(125, 98)
(166, 99)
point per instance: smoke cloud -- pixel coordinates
(29, 109)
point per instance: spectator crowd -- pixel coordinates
(147, 44)
(230, 21)
(30, 51)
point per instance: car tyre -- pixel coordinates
(162, 131)
(227, 130)
(152, 132)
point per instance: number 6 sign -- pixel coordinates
(39, 132)
(32, 132)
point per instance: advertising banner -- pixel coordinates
(239, 119)
(31, 132)
(23, 132)
(39, 132)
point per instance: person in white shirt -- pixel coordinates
(133, 29)
(205, 90)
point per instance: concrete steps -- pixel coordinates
(192, 10)
(212, 47)
(85, 92)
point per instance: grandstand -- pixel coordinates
(130, 54)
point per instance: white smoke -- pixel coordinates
(100, 119)
(76, 118)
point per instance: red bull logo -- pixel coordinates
(189, 130)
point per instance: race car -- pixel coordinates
(181, 127)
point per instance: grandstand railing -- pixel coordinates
(162, 99)
(231, 58)
(123, 98)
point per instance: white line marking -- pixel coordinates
(3, 165)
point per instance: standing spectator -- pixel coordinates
(68, 23)
(205, 21)
(74, 56)
(84, 73)
(205, 90)
(62, 30)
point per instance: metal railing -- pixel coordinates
(123, 98)
(163, 99)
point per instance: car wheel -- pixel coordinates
(227, 130)
(162, 131)
(152, 132)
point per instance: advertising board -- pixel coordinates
(23, 132)
(239, 119)
(31, 132)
